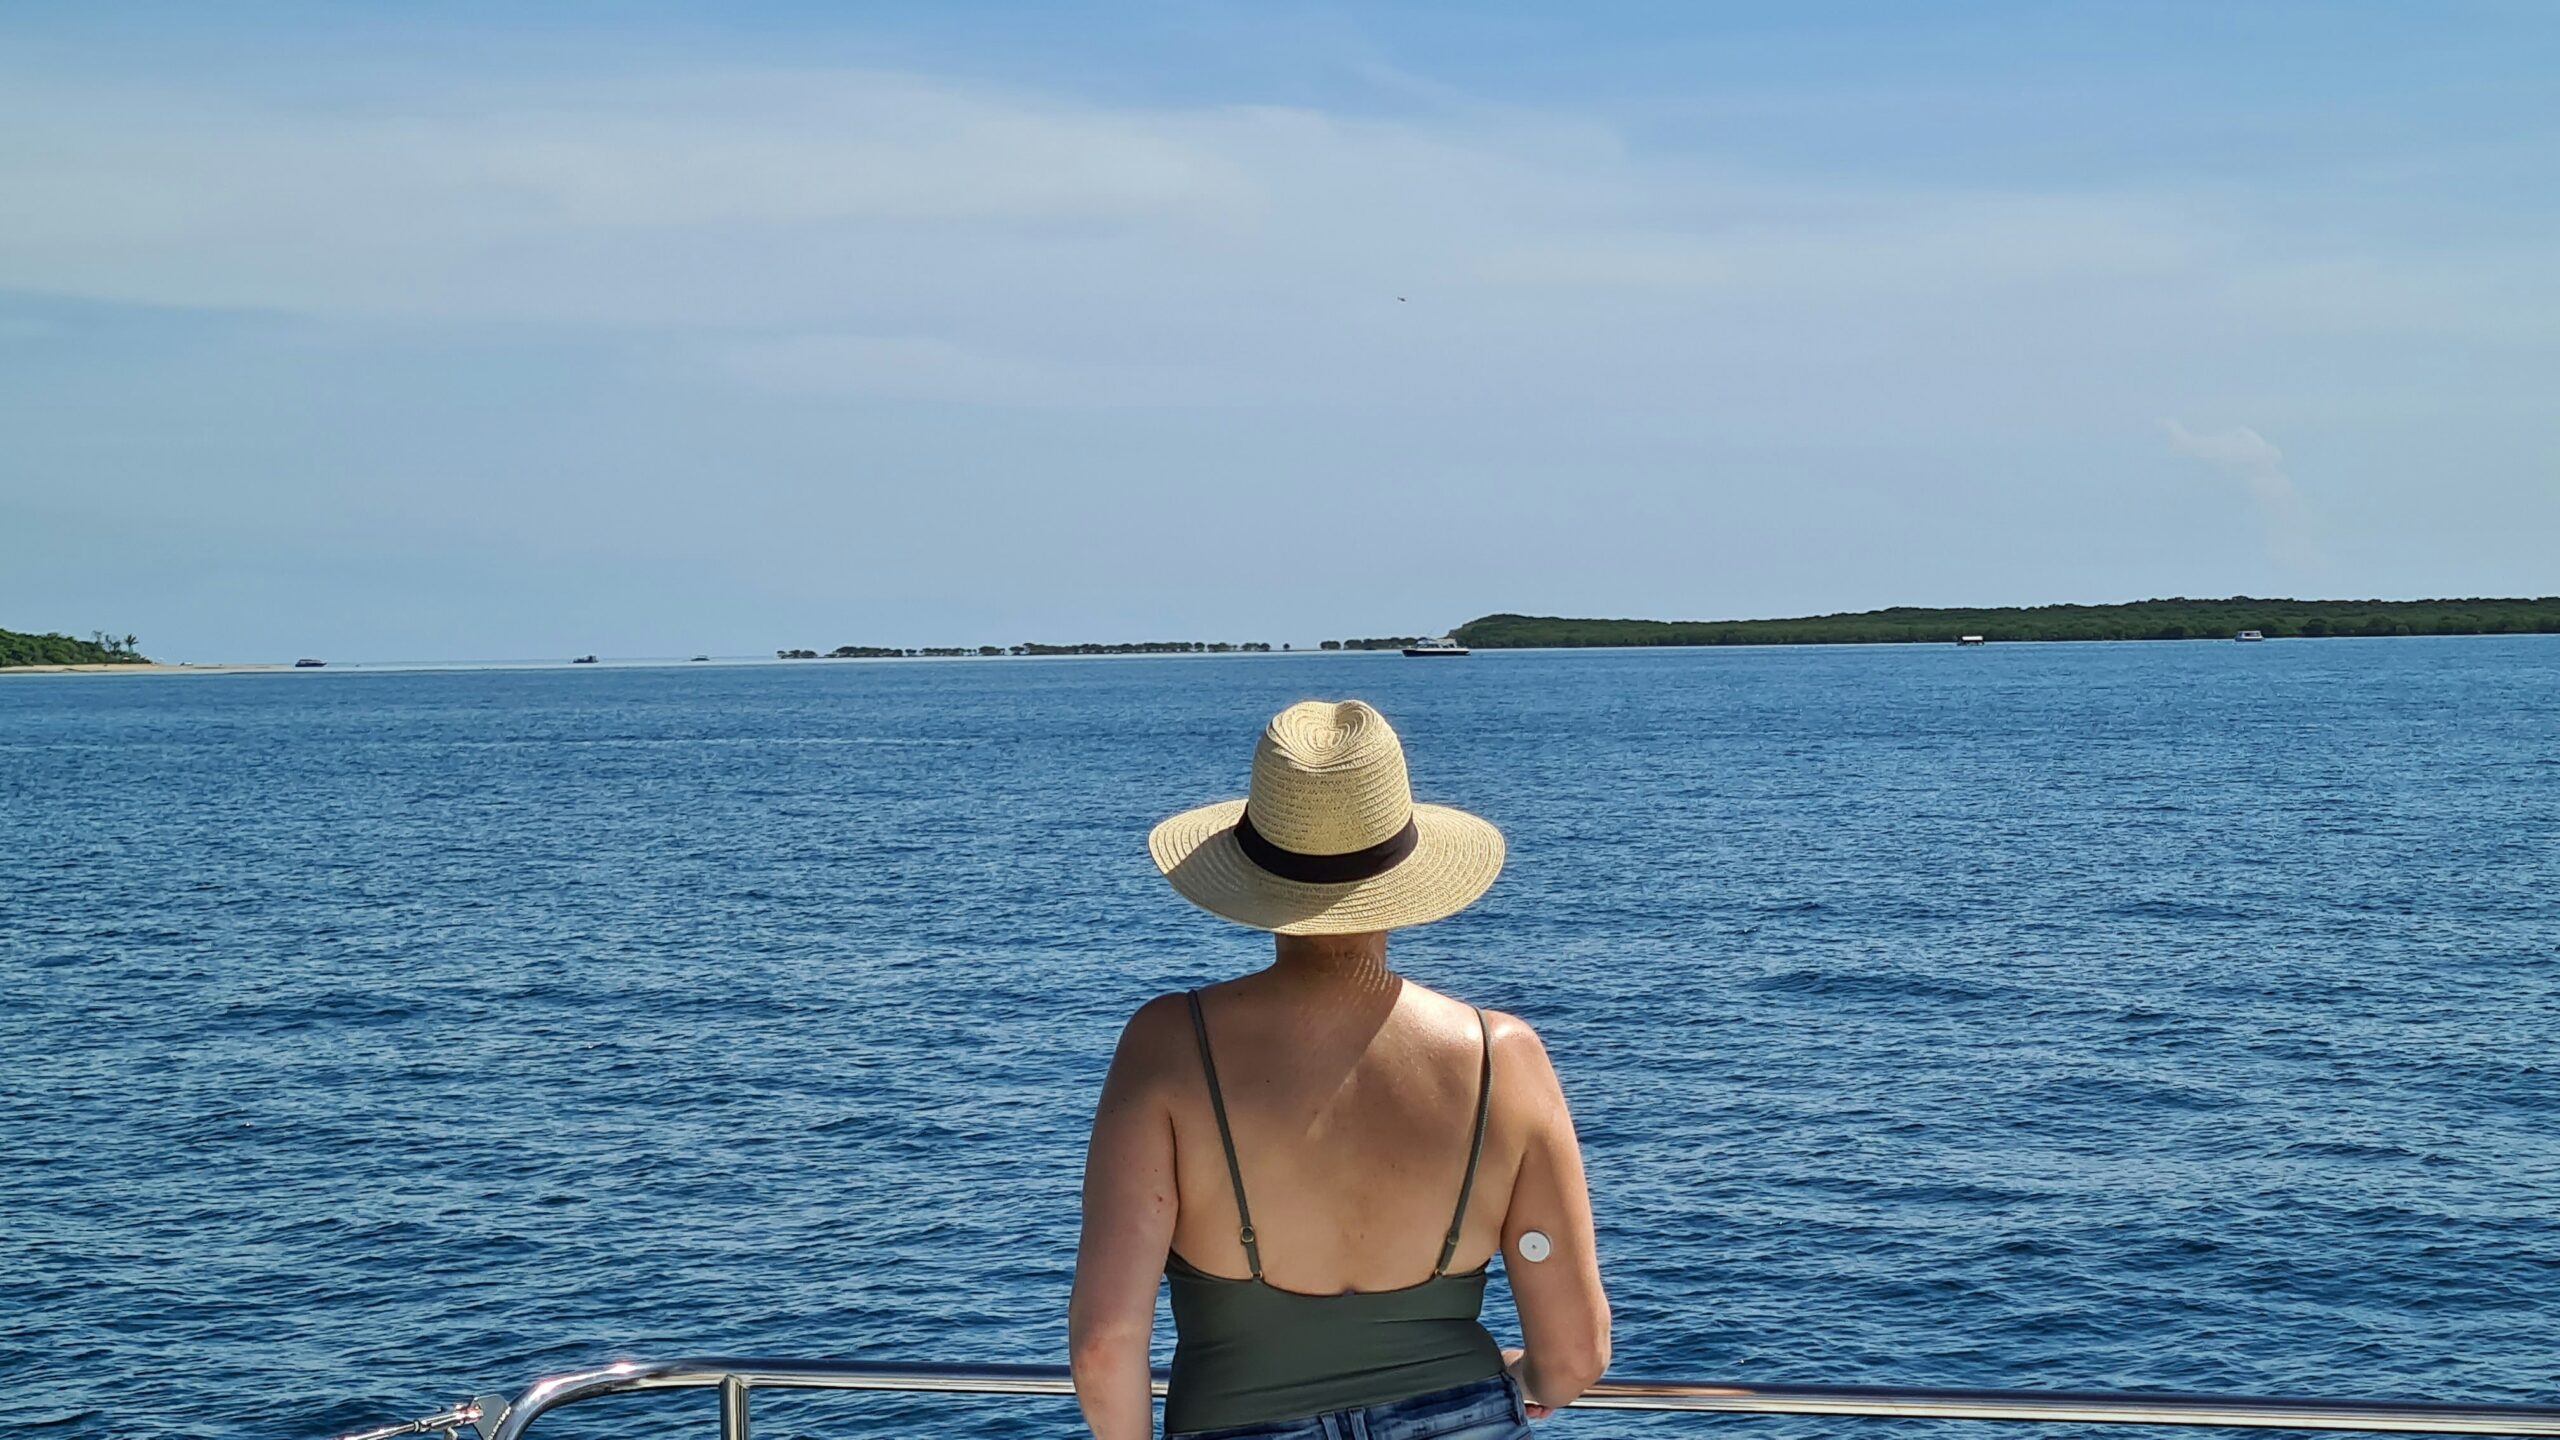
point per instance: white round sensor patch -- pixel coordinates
(1534, 1246)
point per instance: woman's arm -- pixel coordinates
(1564, 1314)
(1130, 1199)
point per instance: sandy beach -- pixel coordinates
(146, 669)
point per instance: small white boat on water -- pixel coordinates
(2246, 635)
(1442, 646)
(1971, 640)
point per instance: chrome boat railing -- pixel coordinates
(497, 1418)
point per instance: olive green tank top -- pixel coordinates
(1247, 1352)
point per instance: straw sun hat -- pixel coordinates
(1334, 844)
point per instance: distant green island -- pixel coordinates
(948, 652)
(1382, 642)
(2174, 619)
(100, 648)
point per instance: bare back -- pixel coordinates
(1353, 1115)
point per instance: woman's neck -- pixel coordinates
(1358, 961)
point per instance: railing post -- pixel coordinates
(733, 1408)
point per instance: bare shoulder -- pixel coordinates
(1513, 1036)
(1518, 1054)
(1521, 1056)
(1154, 1042)
(1450, 1020)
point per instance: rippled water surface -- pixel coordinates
(2177, 1015)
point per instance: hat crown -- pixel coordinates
(1329, 779)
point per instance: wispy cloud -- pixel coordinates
(882, 367)
(2252, 462)
(882, 202)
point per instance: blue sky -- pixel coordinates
(650, 329)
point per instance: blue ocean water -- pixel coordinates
(2178, 1015)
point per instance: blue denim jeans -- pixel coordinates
(1482, 1410)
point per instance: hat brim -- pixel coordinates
(1454, 861)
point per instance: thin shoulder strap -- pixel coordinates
(1227, 1138)
(1475, 1152)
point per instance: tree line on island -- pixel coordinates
(2171, 619)
(1141, 647)
(2177, 618)
(100, 648)
(1137, 647)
